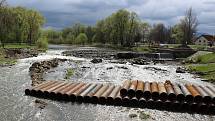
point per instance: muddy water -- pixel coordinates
(15, 106)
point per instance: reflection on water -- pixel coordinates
(15, 106)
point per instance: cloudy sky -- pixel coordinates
(62, 13)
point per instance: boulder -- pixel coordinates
(96, 60)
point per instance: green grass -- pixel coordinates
(207, 58)
(69, 73)
(19, 46)
(6, 61)
(206, 71)
(144, 48)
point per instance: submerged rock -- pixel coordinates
(180, 70)
(40, 104)
(96, 60)
(139, 61)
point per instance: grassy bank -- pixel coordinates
(203, 64)
(10, 60)
(6, 61)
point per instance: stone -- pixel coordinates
(96, 60)
(180, 70)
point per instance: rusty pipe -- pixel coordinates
(95, 97)
(194, 107)
(132, 89)
(80, 97)
(29, 90)
(158, 104)
(87, 98)
(162, 91)
(202, 107)
(209, 92)
(113, 94)
(185, 106)
(134, 102)
(118, 99)
(179, 94)
(205, 97)
(41, 91)
(36, 89)
(55, 92)
(194, 92)
(49, 91)
(142, 102)
(79, 91)
(139, 91)
(150, 103)
(176, 105)
(72, 90)
(147, 90)
(125, 87)
(211, 109)
(103, 97)
(187, 94)
(154, 90)
(125, 100)
(167, 104)
(170, 91)
(62, 94)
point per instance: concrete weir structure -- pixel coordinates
(170, 96)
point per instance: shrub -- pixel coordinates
(81, 39)
(42, 43)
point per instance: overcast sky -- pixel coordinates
(62, 13)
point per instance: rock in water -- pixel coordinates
(180, 70)
(96, 60)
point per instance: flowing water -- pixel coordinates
(15, 106)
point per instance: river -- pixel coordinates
(15, 106)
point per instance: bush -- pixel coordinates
(42, 43)
(81, 39)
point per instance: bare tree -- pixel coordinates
(189, 26)
(2, 3)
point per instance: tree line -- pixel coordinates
(19, 24)
(122, 28)
(125, 28)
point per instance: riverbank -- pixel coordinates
(11, 52)
(203, 64)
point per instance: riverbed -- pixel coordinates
(15, 106)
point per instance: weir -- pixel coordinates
(189, 97)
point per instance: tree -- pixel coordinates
(35, 21)
(81, 39)
(188, 26)
(6, 22)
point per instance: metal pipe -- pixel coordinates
(162, 91)
(150, 103)
(118, 99)
(48, 92)
(125, 87)
(134, 101)
(62, 94)
(29, 90)
(212, 88)
(194, 92)
(194, 107)
(179, 94)
(209, 92)
(142, 102)
(154, 90)
(187, 94)
(113, 94)
(41, 91)
(79, 91)
(205, 97)
(96, 96)
(107, 92)
(87, 98)
(132, 89)
(36, 89)
(139, 91)
(203, 108)
(185, 106)
(80, 97)
(170, 91)
(158, 104)
(55, 92)
(167, 104)
(176, 105)
(147, 90)
(211, 109)
(67, 94)
(125, 100)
